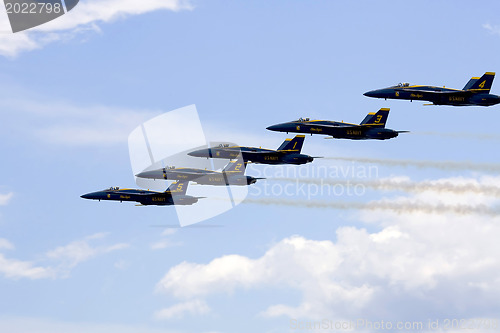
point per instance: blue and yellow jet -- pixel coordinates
(372, 127)
(287, 153)
(174, 195)
(233, 174)
(475, 92)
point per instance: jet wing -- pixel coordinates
(334, 124)
(190, 173)
(443, 92)
(260, 153)
(136, 193)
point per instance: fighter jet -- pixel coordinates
(287, 153)
(372, 127)
(233, 174)
(174, 195)
(475, 92)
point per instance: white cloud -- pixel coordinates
(168, 231)
(63, 259)
(122, 264)
(76, 252)
(75, 125)
(42, 325)
(165, 242)
(493, 29)
(5, 244)
(178, 311)
(84, 17)
(433, 261)
(5, 198)
(15, 269)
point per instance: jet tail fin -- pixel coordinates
(237, 166)
(376, 119)
(178, 188)
(481, 84)
(294, 144)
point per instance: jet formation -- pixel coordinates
(475, 92)
(372, 127)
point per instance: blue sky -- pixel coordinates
(73, 89)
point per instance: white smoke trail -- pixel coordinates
(397, 207)
(388, 184)
(457, 135)
(443, 165)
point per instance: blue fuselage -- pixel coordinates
(338, 130)
(436, 95)
(142, 196)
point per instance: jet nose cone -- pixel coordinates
(273, 127)
(152, 174)
(284, 127)
(380, 93)
(200, 153)
(92, 195)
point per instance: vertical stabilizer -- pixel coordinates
(376, 119)
(483, 84)
(294, 144)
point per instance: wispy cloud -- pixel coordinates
(74, 253)
(15, 269)
(493, 29)
(86, 16)
(177, 311)
(41, 325)
(5, 198)
(163, 244)
(62, 123)
(5, 244)
(166, 242)
(62, 259)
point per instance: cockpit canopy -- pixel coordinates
(113, 188)
(301, 120)
(403, 84)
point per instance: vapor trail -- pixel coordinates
(443, 165)
(457, 135)
(397, 207)
(403, 185)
